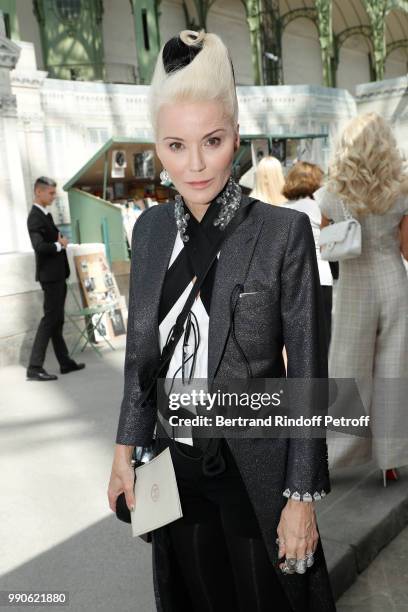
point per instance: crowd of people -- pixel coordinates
(367, 328)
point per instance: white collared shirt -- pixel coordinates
(311, 208)
(44, 210)
(202, 319)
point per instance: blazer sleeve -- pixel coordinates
(136, 422)
(307, 474)
(36, 232)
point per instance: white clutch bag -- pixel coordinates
(156, 494)
(341, 240)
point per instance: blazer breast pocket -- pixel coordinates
(257, 319)
(258, 298)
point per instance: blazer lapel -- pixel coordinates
(158, 257)
(232, 267)
(233, 263)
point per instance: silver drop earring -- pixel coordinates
(164, 177)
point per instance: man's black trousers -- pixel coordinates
(51, 325)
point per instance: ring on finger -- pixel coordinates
(286, 569)
(301, 566)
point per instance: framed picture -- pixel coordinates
(143, 165)
(116, 320)
(99, 288)
(119, 164)
(259, 149)
(119, 189)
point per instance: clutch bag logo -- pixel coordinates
(155, 492)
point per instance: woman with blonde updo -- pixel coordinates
(370, 322)
(248, 538)
(269, 181)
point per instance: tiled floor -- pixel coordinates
(383, 586)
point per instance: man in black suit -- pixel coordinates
(52, 270)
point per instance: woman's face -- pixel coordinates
(196, 144)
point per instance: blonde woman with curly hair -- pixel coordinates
(248, 538)
(370, 321)
(269, 181)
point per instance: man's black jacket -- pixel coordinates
(51, 265)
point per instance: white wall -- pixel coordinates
(29, 28)
(389, 99)
(354, 65)
(171, 20)
(118, 37)
(301, 54)
(228, 20)
(396, 64)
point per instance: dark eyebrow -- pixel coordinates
(206, 136)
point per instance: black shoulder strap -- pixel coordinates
(178, 328)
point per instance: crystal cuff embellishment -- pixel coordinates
(306, 497)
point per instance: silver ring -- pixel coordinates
(286, 569)
(291, 562)
(309, 560)
(277, 541)
(301, 566)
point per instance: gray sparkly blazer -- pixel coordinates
(272, 254)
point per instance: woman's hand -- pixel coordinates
(298, 535)
(122, 477)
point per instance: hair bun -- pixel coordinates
(191, 38)
(180, 50)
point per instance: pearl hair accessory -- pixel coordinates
(229, 199)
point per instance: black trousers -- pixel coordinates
(51, 325)
(218, 546)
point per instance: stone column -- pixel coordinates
(324, 21)
(252, 9)
(13, 216)
(377, 12)
(272, 43)
(147, 33)
(27, 83)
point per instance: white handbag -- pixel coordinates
(156, 494)
(341, 240)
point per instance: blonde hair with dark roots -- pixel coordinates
(368, 169)
(208, 76)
